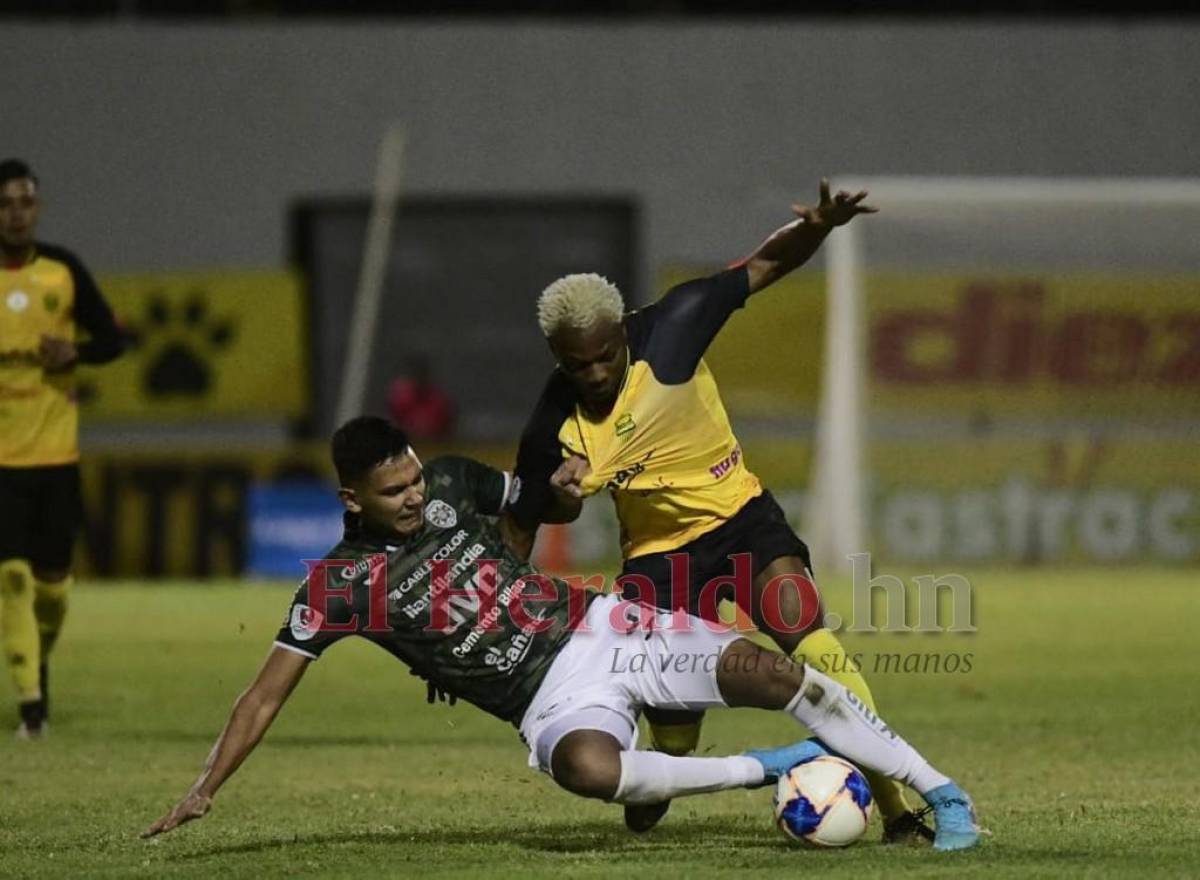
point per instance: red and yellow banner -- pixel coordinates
(1112, 347)
(1047, 417)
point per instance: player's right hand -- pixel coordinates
(567, 479)
(194, 806)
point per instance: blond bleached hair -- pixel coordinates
(578, 301)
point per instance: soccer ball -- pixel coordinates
(823, 802)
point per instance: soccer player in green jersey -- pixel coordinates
(425, 572)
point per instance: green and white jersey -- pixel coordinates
(496, 634)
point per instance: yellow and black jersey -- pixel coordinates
(50, 294)
(666, 451)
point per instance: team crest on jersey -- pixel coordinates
(624, 424)
(18, 301)
(441, 515)
(306, 622)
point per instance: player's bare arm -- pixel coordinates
(252, 715)
(792, 245)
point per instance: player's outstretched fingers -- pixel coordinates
(164, 824)
(191, 807)
(857, 201)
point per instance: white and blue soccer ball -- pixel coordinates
(824, 802)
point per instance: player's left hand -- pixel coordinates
(57, 353)
(835, 210)
(194, 806)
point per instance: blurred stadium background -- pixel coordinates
(218, 171)
(1000, 371)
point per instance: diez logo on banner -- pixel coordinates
(1007, 334)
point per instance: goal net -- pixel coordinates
(1011, 374)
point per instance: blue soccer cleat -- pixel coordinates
(955, 817)
(777, 762)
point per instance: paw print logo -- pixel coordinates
(179, 341)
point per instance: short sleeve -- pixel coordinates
(314, 622)
(679, 327)
(487, 487)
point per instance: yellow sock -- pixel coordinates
(822, 651)
(50, 609)
(18, 628)
(678, 739)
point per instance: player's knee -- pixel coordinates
(810, 626)
(800, 609)
(588, 763)
(788, 604)
(15, 585)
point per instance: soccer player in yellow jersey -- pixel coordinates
(633, 409)
(45, 294)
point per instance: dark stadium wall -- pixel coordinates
(165, 147)
(184, 513)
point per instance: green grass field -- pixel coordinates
(1075, 730)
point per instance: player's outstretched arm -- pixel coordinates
(792, 245)
(251, 716)
(689, 315)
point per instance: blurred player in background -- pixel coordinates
(418, 405)
(46, 294)
(427, 572)
(633, 408)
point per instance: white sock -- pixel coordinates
(849, 728)
(651, 777)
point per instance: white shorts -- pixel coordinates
(626, 657)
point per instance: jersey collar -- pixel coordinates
(30, 255)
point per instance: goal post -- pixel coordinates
(372, 277)
(1011, 373)
(839, 508)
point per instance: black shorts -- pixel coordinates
(41, 510)
(759, 529)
